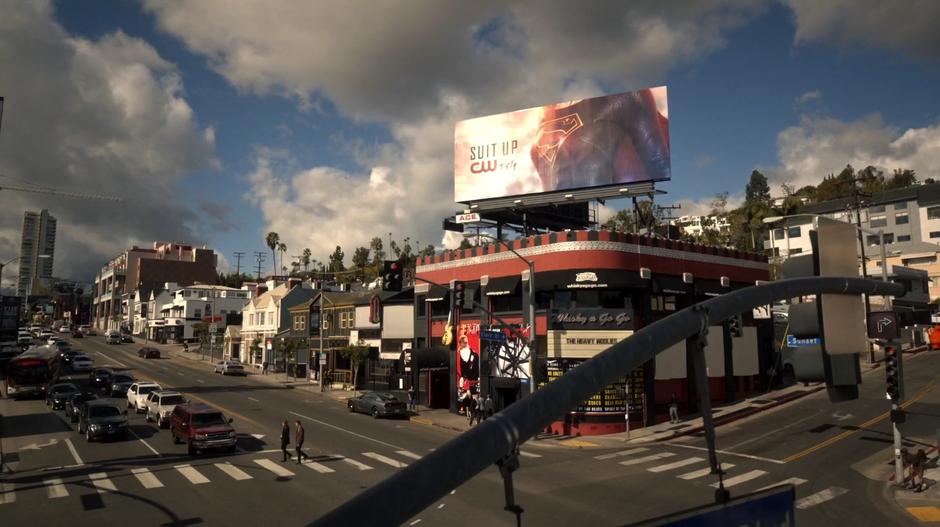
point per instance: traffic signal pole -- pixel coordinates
(895, 401)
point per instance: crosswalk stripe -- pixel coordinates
(319, 467)
(7, 493)
(820, 497)
(234, 472)
(621, 453)
(360, 466)
(383, 459)
(677, 464)
(703, 472)
(194, 476)
(55, 488)
(741, 478)
(278, 470)
(644, 459)
(407, 453)
(146, 478)
(523, 453)
(101, 482)
(796, 482)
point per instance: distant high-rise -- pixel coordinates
(38, 239)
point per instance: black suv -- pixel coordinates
(102, 418)
(58, 394)
(73, 407)
(100, 377)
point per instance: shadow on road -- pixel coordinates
(32, 424)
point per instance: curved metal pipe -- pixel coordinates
(411, 490)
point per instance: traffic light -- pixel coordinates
(392, 276)
(736, 326)
(828, 334)
(893, 374)
(459, 294)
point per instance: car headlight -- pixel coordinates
(201, 436)
(95, 428)
(231, 434)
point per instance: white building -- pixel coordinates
(267, 314)
(198, 303)
(692, 225)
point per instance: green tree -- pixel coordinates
(305, 258)
(901, 179)
(427, 251)
(360, 260)
(465, 244)
(378, 254)
(837, 186)
(272, 240)
(282, 248)
(355, 355)
(336, 260)
(757, 189)
(622, 221)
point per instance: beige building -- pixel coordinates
(922, 256)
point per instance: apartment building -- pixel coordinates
(37, 249)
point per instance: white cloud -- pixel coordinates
(821, 145)
(703, 206)
(908, 26)
(419, 67)
(107, 116)
(807, 97)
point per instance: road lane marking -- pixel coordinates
(925, 514)
(644, 459)
(111, 360)
(253, 399)
(341, 429)
(259, 437)
(55, 488)
(101, 482)
(822, 496)
(78, 460)
(621, 453)
(278, 470)
(322, 469)
(148, 480)
(382, 459)
(416, 522)
(523, 453)
(200, 381)
(194, 476)
(874, 420)
(741, 478)
(441, 506)
(677, 464)
(357, 464)
(727, 453)
(146, 444)
(703, 472)
(407, 453)
(774, 431)
(7, 493)
(179, 373)
(796, 482)
(234, 472)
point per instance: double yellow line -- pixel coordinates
(835, 439)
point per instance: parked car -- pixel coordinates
(87, 330)
(201, 427)
(102, 418)
(160, 405)
(82, 362)
(379, 404)
(113, 338)
(120, 383)
(127, 338)
(77, 334)
(64, 329)
(58, 394)
(230, 368)
(44, 334)
(148, 353)
(52, 340)
(73, 405)
(67, 355)
(137, 395)
(100, 377)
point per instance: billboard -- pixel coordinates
(587, 143)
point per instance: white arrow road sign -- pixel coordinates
(37, 446)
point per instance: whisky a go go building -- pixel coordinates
(593, 289)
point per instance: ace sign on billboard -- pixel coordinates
(587, 143)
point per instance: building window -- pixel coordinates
(351, 319)
(934, 235)
(900, 206)
(796, 250)
(299, 323)
(904, 238)
(794, 232)
(889, 237)
(198, 313)
(251, 319)
(878, 221)
(778, 234)
(873, 239)
(925, 260)
(876, 210)
(662, 303)
(901, 218)
(933, 213)
(342, 319)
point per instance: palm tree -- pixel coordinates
(272, 240)
(305, 259)
(282, 247)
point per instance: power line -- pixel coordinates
(238, 263)
(259, 257)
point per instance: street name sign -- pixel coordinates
(793, 342)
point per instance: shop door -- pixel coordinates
(438, 388)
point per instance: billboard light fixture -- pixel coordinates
(569, 196)
(474, 206)
(517, 202)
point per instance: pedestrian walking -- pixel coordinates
(674, 409)
(264, 368)
(299, 439)
(479, 408)
(487, 407)
(285, 440)
(412, 399)
(920, 465)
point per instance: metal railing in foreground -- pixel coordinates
(408, 492)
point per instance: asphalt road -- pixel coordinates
(149, 481)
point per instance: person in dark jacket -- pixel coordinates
(299, 439)
(285, 440)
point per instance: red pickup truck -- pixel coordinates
(202, 427)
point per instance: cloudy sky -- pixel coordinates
(332, 122)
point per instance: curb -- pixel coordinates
(730, 419)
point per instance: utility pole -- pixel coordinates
(259, 257)
(238, 263)
(856, 202)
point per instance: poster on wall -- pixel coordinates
(508, 352)
(587, 143)
(468, 360)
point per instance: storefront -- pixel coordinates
(592, 289)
